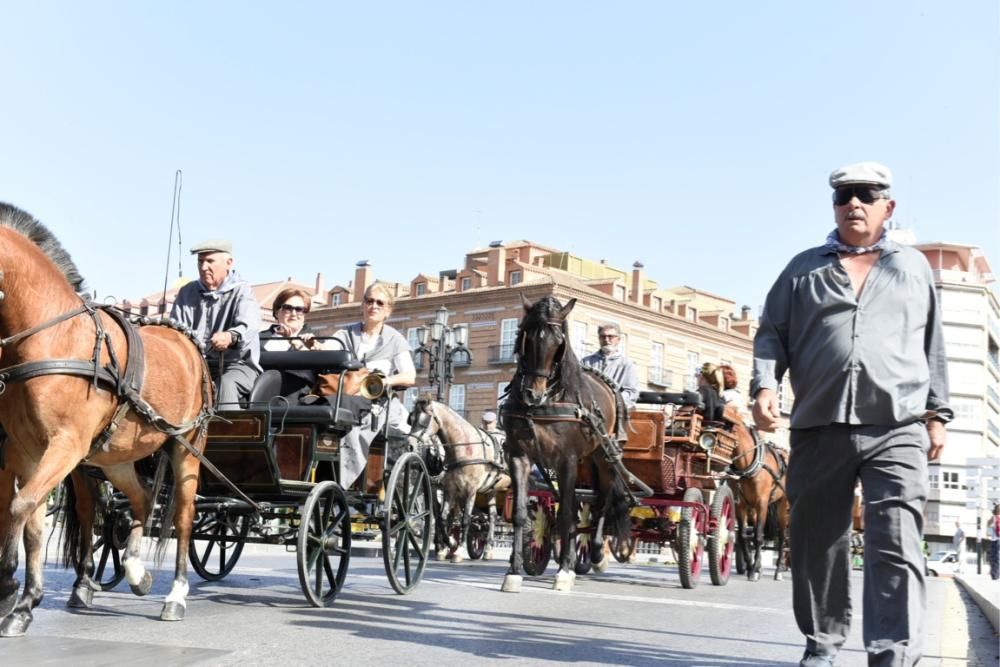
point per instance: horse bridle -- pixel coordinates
(553, 373)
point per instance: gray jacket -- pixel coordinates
(619, 369)
(232, 307)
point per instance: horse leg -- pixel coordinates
(124, 479)
(599, 544)
(15, 624)
(8, 587)
(520, 467)
(470, 505)
(185, 467)
(78, 538)
(566, 576)
(781, 507)
(753, 571)
(488, 551)
(22, 511)
(446, 546)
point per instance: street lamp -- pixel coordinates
(442, 345)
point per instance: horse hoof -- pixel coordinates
(564, 581)
(512, 583)
(172, 611)
(754, 576)
(16, 624)
(442, 554)
(456, 558)
(488, 554)
(8, 601)
(144, 586)
(82, 597)
(778, 577)
(602, 565)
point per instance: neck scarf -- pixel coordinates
(833, 241)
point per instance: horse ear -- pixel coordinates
(525, 303)
(568, 307)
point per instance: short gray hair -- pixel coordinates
(604, 326)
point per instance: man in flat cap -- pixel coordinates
(857, 324)
(221, 309)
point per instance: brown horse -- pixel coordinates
(473, 464)
(82, 385)
(557, 416)
(762, 469)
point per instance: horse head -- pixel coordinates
(541, 348)
(423, 425)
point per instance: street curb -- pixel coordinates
(988, 606)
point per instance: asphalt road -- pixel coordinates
(631, 615)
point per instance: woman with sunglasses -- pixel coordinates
(381, 348)
(289, 332)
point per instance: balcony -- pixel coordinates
(502, 354)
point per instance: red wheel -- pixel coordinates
(689, 547)
(536, 540)
(723, 536)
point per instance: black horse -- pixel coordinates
(557, 416)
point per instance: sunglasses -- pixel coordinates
(864, 193)
(292, 309)
(374, 302)
(608, 336)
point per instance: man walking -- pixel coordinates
(958, 543)
(856, 323)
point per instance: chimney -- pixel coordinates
(638, 280)
(362, 279)
(745, 313)
(319, 284)
(496, 264)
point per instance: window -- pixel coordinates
(785, 397)
(410, 397)
(420, 289)
(967, 408)
(724, 323)
(691, 314)
(656, 363)
(949, 480)
(578, 339)
(466, 284)
(656, 303)
(620, 292)
(337, 298)
(515, 278)
(456, 398)
(501, 394)
(694, 365)
(933, 479)
(508, 334)
(414, 343)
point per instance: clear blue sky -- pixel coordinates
(694, 136)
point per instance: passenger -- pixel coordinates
(612, 363)
(380, 348)
(221, 310)
(489, 421)
(290, 332)
(871, 403)
(710, 384)
(731, 394)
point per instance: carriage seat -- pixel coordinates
(682, 399)
(320, 361)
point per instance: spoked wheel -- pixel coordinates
(109, 548)
(723, 537)
(324, 543)
(689, 544)
(536, 540)
(217, 539)
(408, 523)
(584, 538)
(479, 528)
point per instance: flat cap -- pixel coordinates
(489, 416)
(867, 173)
(212, 245)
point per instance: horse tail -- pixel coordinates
(72, 533)
(167, 509)
(617, 509)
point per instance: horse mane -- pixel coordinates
(25, 224)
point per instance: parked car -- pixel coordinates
(942, 562)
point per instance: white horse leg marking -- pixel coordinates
(134, 570)
(178, 594)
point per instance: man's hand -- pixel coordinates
(766, 411)
(221, 341)
(936, 432)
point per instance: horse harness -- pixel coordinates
(127, 385)
(758, 464)
(496, 466)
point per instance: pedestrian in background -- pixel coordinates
(856, 322)
(993, 532)
(958, 543)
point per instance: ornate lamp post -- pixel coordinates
(442, 345)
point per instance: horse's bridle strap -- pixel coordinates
(79, 310)
(33, 369)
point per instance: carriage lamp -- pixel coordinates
(706, 441)
(443, 345)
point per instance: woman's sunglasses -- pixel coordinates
(865, 194)
(375, 302)
(292, 309)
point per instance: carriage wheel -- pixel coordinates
(217, 539)
(324, 543)
(584, 538)
(536, 539)
(689, 543)
(109, 547)
(723, 538)
(479, 530)
(408, 523)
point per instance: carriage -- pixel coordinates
(683, 463)
(279, 485)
